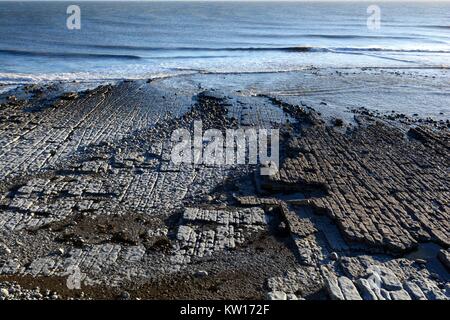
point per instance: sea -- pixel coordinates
(150, 39)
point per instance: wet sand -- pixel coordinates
(87, 185)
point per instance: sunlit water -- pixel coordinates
(151, 39)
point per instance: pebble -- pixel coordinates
(125, 295)
(421, 261)
(201, 274)
(4, 293)
(334, 256)
(13, 291)
(276, 295)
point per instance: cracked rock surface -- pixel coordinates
(91, 205)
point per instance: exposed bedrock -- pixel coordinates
(87, 184)
(379, 187)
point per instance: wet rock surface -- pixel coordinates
(91, 205)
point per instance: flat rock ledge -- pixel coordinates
(91, 205)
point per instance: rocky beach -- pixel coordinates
(92, 207)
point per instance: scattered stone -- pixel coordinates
(13, 291)
(421, 261)
(276, 295)
(338, 122)
(124, 295)
(291, 296)
(4, 293)
(201, 274)
(334, 256)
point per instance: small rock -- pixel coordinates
(291, 296)
(4, 293)
(421, 261)
(338, 122)
(201, 274)
(276, 295)
(334, 256)
(125, 295)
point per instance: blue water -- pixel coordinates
(151, 39)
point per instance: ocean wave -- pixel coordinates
(9, 78)
(299, 49)
(434, 26)
(379, 49)
(181, 49)
(68, 54)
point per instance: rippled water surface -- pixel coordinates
(146, 39)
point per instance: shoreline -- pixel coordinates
(87, 181)
(395, 76)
